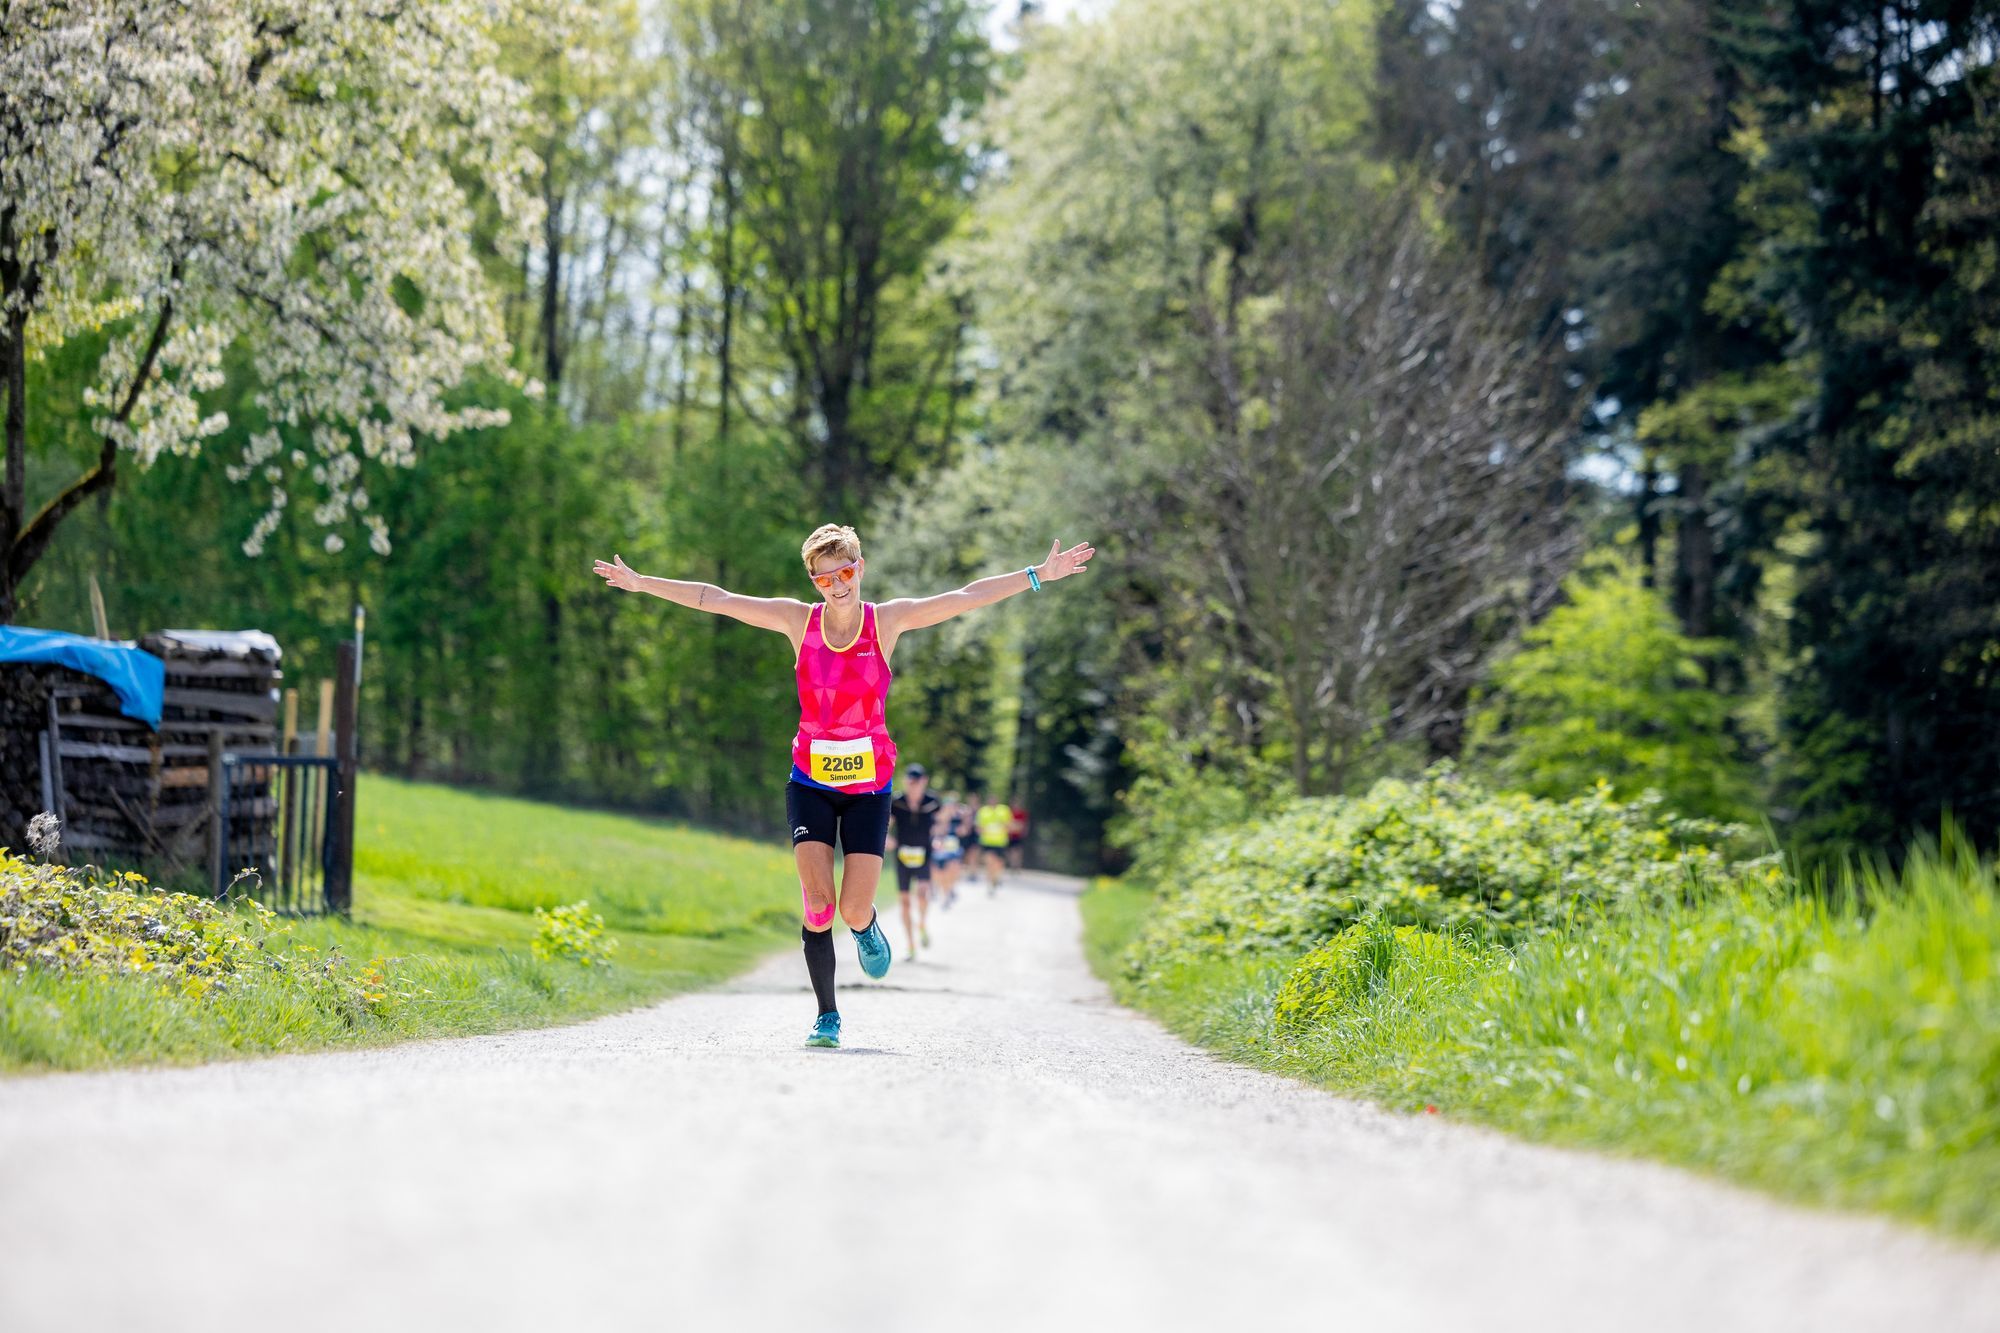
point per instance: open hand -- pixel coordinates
(617, 574)
(1061, 564)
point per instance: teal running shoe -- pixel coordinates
(826, 1031)
(873, 946)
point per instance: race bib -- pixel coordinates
(844, 763)
(910, 856)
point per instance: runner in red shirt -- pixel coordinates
(1017, 835)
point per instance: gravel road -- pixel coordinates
(998, 1147)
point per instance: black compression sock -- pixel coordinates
(819, 965)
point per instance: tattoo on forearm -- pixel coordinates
(701, 599)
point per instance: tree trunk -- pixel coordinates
(29, 541)
(836, 461)
(548, 728)
(1648, 514)
(726, 341)
(551, 321)
(13, 509)
(1694, 582)
(1023, 766)
(413, 725)
(1444, 738)
(683, 370)
(1299, 697)
(545, 734)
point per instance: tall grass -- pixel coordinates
(1838, 1047)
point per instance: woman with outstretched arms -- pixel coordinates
(843, 761)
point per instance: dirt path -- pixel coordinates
(998, 1147)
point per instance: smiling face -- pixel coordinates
(838, 580)
(833, 561)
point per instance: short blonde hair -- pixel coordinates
(831, 539)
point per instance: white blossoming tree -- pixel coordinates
(295, 179)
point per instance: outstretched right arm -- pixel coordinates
(783, 614)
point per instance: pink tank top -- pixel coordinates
(843, 738)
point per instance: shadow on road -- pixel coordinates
(847, 1050)
(1052, 884)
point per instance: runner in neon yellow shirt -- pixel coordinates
(995, 822)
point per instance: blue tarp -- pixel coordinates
(139, 678)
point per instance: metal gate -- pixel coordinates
(275, 831)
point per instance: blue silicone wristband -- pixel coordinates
(1033, 582)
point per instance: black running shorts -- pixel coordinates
(860, 819)
(907, 876)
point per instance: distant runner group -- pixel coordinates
(929, 835)
(843, 761)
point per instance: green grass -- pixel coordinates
(439, 942)
(1826, 1053)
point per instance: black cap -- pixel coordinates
(915, 771)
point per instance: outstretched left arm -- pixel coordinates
(907, 613)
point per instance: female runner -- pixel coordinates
(843, 761)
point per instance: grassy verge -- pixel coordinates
(439, 944)
(1835, 1055)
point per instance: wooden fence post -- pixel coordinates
(320, 810)
(288, 798)
(60, 806)
(48, 774)
(347, 750)
(218, 831)
(323, 734)
(97, 616)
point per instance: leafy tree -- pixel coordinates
(837, 129)
(184, 177)
(1871, 135)
(1584, 147)
(1148, 160)
(648, 306)
(608, 280)
(1772, 233)
(1608, 688)
(1256, 360)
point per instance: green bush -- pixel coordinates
(69, 921)
(1183, 789)
(1441, 853)
(1607, 688)
(1838, 1045)
(440, 942)
(573, 932)
(83, 923)
(1340, 975)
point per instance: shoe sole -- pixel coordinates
(824, 1043)
(872, 974)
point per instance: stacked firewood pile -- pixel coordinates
(218, 686)
(130, 794)
(25, 692)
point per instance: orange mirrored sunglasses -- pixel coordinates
(845, 574)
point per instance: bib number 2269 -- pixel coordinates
(844, 763)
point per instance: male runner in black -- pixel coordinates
(911, 815)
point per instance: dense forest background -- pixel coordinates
(1574, 390)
